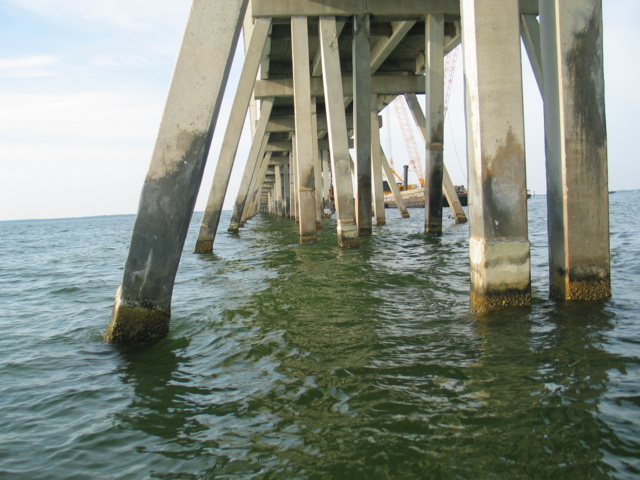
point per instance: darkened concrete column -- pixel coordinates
(576, 149)
(361, 55)
(499, 247)
(434, 57)
(143, 303)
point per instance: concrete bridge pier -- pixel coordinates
(347, 228)
(361, 59)
(226, 158)
(304, 145)
(434, 57)
(499, 246)
(376, 165)
(142, 307)
(576, 149)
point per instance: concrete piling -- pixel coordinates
(499, 245)
(317, 86)
(576, 149)
(143, 302)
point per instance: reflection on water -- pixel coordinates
(314, 362)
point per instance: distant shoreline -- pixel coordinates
(90, 217)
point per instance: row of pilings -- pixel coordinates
(316, 76)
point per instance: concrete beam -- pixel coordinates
(397, 8)
(380, 84)
(286, 123)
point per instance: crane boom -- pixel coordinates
(409, 139)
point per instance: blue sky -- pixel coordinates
(83, 85)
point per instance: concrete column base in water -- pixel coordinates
(500, 274)
(134, 324)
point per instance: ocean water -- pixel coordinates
(314, 362)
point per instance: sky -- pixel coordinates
(83, 86)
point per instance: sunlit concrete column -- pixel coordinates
(286, 187)
(304, 143)
(576, 149)
(258, 145)
(348, 235)
(295, 212)
(376, 164)
(434, 58)
(447, 185)
(361, 55)
(499, 246)
(226, 158)
(142, 307)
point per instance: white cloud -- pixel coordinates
(34, 66)
(138, 15)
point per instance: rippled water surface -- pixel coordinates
(313, 362)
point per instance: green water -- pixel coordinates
(314, 362)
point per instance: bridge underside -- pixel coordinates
(315, 78)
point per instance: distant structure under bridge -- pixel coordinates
(317, 74)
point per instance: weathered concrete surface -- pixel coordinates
(362, 120)
(499, 247)
(143, 304)
(304, 133)
(347, 228)
(434, 162)
(576, 149)
(499, 274)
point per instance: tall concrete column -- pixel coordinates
(142, 307)
(348, 234)
(376, 164)
(304, 143)
(576, 149)
(317, 168)
(286, 187)
(499, 246)
(434, 164)
(258, 144)
(361, 55)
(211, 217)
(295, 210)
